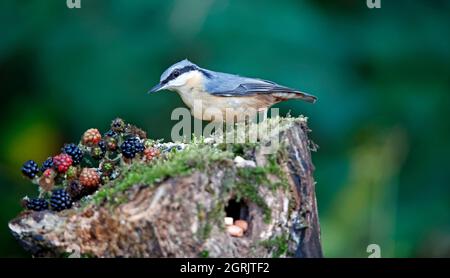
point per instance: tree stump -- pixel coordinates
(181, 213)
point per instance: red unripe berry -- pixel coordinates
(62, 162)
(91, 137)
(89, 177)
(150, 153)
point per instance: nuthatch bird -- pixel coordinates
(223, 92)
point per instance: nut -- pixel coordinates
(228, 221)
(241, 223)
(235, 231)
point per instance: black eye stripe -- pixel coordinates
(177, 72)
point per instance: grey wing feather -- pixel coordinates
(230, 85)
(233, 85)
(261, 88)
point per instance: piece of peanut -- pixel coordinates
(241, 223)
(235, 231)
(228, 221)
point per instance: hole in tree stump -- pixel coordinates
(237, 210)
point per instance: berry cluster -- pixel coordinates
(47, 164)
(131, 147)
(36, 204)
(80, 169)
(62, 162)
(75, 152)
(60, 200)
(30, 169)
(151, 153)
(91, 137)
(89, 177)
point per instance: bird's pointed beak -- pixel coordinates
(156, 88)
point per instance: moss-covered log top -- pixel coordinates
(175, 206)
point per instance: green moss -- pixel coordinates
(270, 175)
(273, 167)
(278, 245)
(194, 157)
(201, 214)
(204, 254)
(249, 191)
(205, 230)
(217, 214)
(204, 157)
(214, 217)
(244, 150)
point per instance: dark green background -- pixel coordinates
(381, 75)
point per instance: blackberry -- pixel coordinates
(36, 204)
(118, 125)
(48, 163)
(131, 146)
(60, 200)
(74, 152)
(30, 168)
(102, 145)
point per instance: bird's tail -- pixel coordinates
(296, 95)
(306, 97)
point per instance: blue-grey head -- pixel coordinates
(177, 76)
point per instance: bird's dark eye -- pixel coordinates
(176, 73)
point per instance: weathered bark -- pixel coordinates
(183, 216)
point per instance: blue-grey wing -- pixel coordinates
(223, 84)
(229, 85)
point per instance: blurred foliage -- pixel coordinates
(382, 78)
